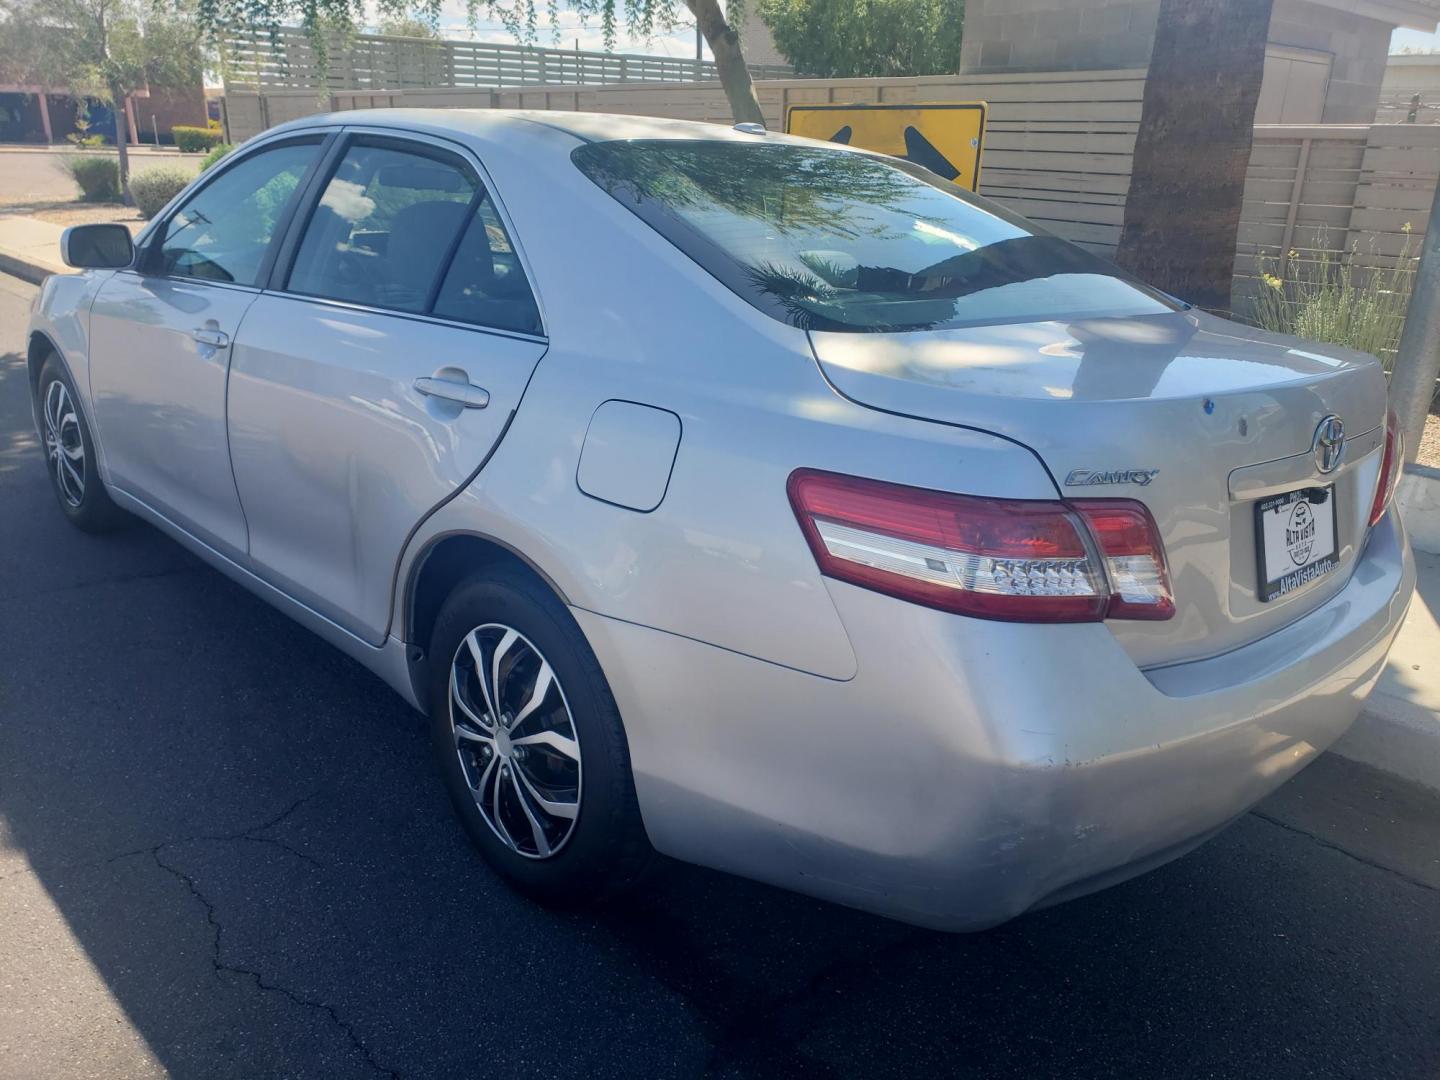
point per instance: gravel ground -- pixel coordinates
(1430, 441)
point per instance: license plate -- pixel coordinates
(1295, 539)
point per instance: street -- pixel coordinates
(224, 852)
(36, 176)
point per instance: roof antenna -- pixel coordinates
(751, 129)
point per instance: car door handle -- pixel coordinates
(216, 339)
(466, 394)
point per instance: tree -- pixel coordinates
(1182, 215)
(104, 49)
(408, 26)
(520, 17)
(850, 39)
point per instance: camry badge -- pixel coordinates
(1329, 444)
(1094, 477)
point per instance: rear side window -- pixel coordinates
(384, 226)
(403, 230)
(485, 283)
(222, 232)
(837, 240)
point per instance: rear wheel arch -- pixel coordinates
(445, 563)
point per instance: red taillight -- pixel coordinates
(1391, 464)
(1134, 558)
(1025, 561)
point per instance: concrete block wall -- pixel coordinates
(1057, 35)
(1084, 35)
(1359, 46)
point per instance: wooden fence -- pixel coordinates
(1359, 193)
(1409, 107)
(1058, 147)
(258, 60)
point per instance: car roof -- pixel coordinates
(488, 125)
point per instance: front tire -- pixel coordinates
(70, 453)
(530, 743)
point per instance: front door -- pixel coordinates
(373, 381)
(162, 336)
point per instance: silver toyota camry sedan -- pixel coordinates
(769, 504)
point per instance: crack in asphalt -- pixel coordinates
(221, 966)
(250, 834)
(253, 834)
(1362, 860)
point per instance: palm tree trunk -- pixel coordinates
(729, 61)
(1182, 215)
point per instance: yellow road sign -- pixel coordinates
(945, 138)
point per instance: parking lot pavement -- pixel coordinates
(35, 174)
(224, 852)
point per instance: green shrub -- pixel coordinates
(85, 142)
(153, 188)
(98, 176)
(215, 155)
(194, 140)
(1353, 298)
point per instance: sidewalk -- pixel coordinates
(1399, 730)
(30, 248)
(143, 150)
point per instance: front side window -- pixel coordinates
(223, 231)
(384, 228)
(837, 240)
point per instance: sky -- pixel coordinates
(1414, 39)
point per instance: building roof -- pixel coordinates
(1411, 14)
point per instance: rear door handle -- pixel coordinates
(216, 339)
(466, 394)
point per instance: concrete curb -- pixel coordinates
(24, 269)
(1397, 737)
(30, 248)
(1398, 730)
(1419, 500)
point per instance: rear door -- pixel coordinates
(373, 379)
(161, 337)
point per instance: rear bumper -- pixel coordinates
(973, 770)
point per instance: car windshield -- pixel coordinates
(838, 240)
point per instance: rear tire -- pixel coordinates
(546, 794)
(70, 453)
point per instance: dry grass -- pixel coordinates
(1430, 442)
(1331, 296)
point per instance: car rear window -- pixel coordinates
(837, 240)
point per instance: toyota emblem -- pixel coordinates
(1329, 444)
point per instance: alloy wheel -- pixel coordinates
(64, 445)
(516, 740)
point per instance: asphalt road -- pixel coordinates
(36, 176)
(224, 852)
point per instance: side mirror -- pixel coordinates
(97, 247)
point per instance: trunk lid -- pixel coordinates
(1196, 417)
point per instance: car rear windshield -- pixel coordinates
(839, 240)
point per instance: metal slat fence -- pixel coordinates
(286, 60)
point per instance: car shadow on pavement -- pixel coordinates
(243, 831)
